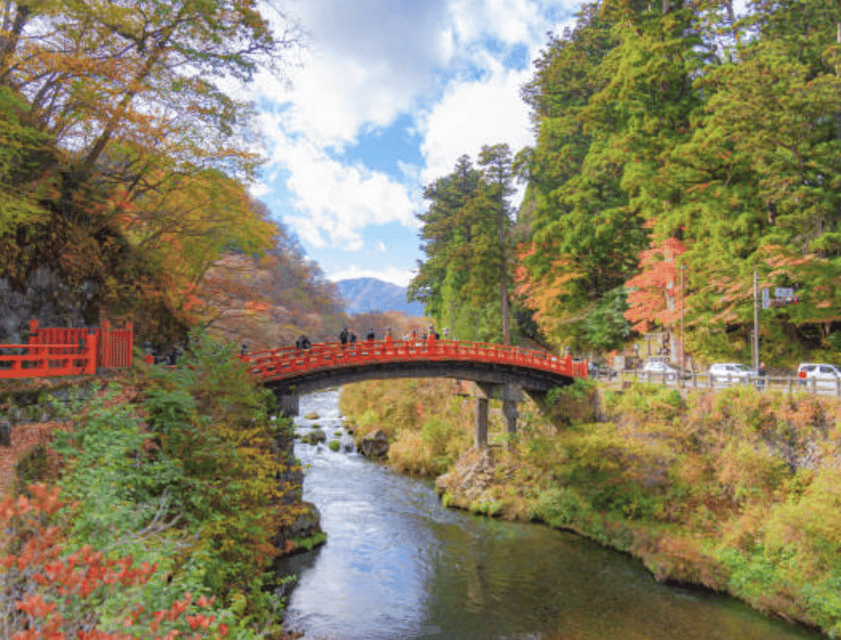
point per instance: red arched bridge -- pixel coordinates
(499, 371)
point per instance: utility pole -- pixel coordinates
(755, 343)
(682, 333)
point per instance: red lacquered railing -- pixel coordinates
(62, 351)
(287, 362)
(44, 360)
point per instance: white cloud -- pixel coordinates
(510, 21)
(333, 201)
(371, 61)
(381, 248)
(474, 113)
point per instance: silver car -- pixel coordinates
(821, 375)
(731, 372)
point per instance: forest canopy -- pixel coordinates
(672, 137)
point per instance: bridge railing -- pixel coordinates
(290, 361)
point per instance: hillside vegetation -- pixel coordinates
(153, 507)
(125, 171)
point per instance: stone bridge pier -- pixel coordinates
(510, 394)
(288, 403)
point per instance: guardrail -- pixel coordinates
(783, 384)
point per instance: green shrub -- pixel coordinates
(334, 445)
(560, 507)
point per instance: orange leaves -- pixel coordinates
(50, 597)
(36, 607)
(655, 290)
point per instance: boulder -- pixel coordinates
(307, 523)
(374, 444)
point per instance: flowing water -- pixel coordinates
(397, 565)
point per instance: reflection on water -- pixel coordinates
(398, 565)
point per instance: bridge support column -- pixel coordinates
(287, 404)
(512, 394)
(481, 433)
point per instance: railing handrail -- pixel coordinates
(39, 346)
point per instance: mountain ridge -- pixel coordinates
(362, 295)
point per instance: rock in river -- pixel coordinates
(374, 444)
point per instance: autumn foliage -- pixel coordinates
(52, 590)
(655, 291)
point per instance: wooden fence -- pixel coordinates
(63, 351)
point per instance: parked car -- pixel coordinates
(596, 370)
(657, 370)
(824, 375)
(731, 371)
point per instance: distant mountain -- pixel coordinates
(370, 294)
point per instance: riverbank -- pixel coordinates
(736, 491)
(182, 478)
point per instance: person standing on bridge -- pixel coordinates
(343, 336)
(371, 335)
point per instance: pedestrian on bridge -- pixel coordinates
(343, 336)
(371, 335)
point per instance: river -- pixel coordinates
(397, 565)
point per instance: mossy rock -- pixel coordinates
(312, 415)
(314, 437)
(334, 445)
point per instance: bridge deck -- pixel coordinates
(290, 362)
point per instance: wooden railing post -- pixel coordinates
(90, 353)
(33, 331)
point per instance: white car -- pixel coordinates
(656, 370)
(732, 372)
(823, 375)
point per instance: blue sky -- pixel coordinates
(388, 95)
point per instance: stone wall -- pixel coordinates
(47, 299)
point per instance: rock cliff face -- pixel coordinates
(48, 300)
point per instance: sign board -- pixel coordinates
(783, 292)
(766, 302)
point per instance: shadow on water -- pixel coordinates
(399, 565)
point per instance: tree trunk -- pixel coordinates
(503, 298)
